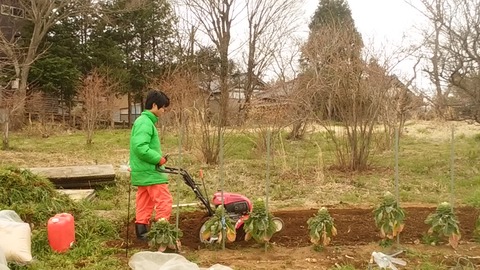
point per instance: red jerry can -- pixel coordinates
(61, 232)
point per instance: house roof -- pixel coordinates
(278, 90)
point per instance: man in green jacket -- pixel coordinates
(145, 155)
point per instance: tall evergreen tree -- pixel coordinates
(59, 69)
(335, 16)
(75, 46)
(331, 12)
(340, 86)
(146, 35)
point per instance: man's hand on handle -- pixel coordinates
(163, 160)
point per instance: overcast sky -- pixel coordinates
(378, 19)
(387, 24)
(384, 24)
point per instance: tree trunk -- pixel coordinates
(298, 130)
(129, 101)
(5, 139)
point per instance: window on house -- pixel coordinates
(5, 10)
(17, 12)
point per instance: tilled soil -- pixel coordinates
(355, 226)
(357, 238)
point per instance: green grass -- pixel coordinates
(300, 175)
(298, 169)
(36, 205)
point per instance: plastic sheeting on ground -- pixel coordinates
(148, 260)
(15, 237)
(3, 261)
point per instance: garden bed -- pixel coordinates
(357, 235)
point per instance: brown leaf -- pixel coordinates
(325, 239)
(179, 245)
(382, 232)
(206, 235)
(231, 235)
(453, 240)
(334, 231)
(266, 238)
(248, 236)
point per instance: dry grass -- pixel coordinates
(441, 130)
(300, 173)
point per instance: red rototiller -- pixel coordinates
(237, 206)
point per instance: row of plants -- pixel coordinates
(219, 228)
(443, 223)
(36, 205)
(389, 219)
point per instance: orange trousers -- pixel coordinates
(154, 197)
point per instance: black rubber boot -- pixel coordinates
(141, 231)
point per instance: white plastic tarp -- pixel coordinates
(148, 260)
(3, 261)
(15, 237)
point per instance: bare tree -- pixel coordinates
(42, 15)
(21, 50)
(435, 68)
(215, 18)
(9, 106)
(342, 87)
(285, 60)
(269, 23)
(9, 102)
(182, 88)
(454, 58)
(96, 99)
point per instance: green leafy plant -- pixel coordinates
(321, 228)
(443, 223)
(389, 218)
(260, 224)
(214, 227)
(162, 234)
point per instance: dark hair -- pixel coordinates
(156, 97)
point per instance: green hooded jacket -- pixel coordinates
(145, 152)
